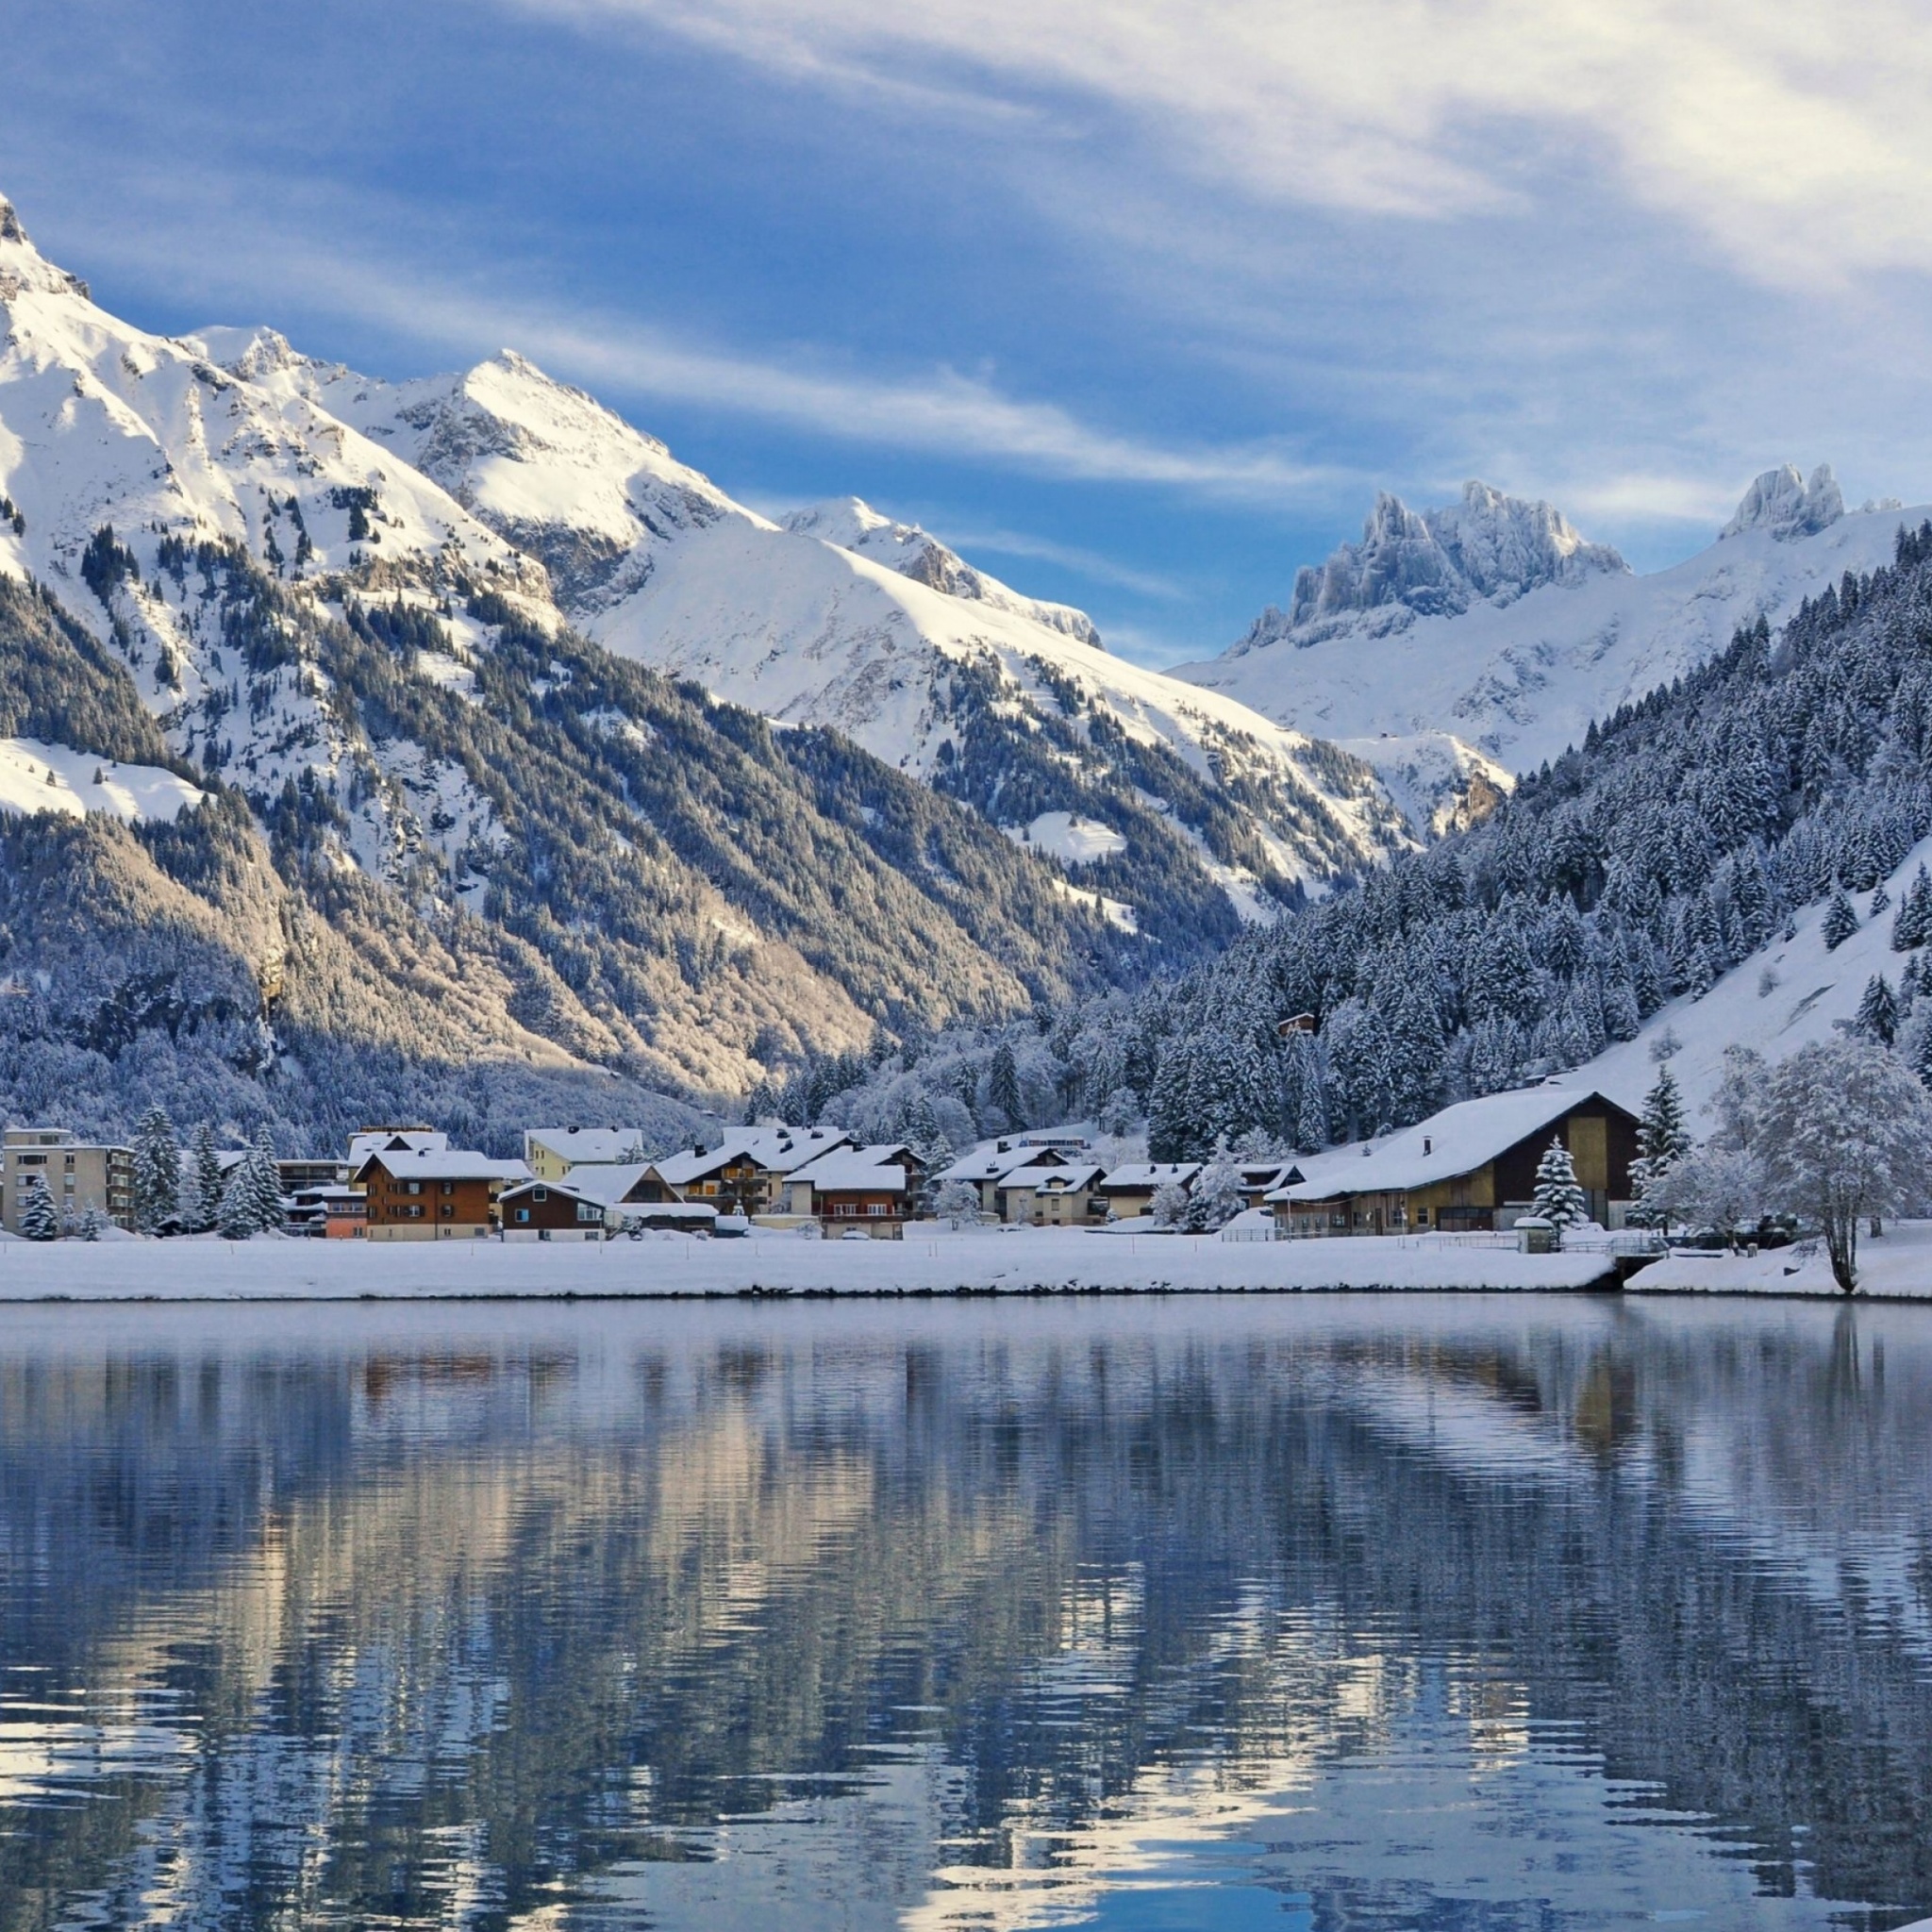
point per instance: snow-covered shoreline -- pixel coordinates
(934, 1262)
(1019, 1261)
(1897, 1266)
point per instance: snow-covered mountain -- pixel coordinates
(1492, 626)
(841, 617)
(407, 645)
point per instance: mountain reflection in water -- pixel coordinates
(1324, 1612)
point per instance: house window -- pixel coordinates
(449, 1187)
(588, 1210)
(539, 1194)
(413, 1187)
(874, 1206)
(449, 1210)
(523, 1215)
(412, 1214)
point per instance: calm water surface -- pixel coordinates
(1487, 1614)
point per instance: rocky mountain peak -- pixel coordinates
(1485, 548)
(1782, 502)
(22, 266)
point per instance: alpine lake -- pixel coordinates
(1315, 1613)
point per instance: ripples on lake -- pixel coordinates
(1485, 1614)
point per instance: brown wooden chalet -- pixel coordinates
(870, 1189)
(432, 1194)
(595, 1199)
(1471, 1167)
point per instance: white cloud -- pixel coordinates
(1794, 136)
(1087, 563)
(944, 414)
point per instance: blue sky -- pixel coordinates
(1137, 304)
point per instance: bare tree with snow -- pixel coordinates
(1844, 1132)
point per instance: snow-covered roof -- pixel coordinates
(776, 1150)
(600, 1144)
(1054, 1180)
(1454, 1142)
(993, 1160)
(412, 1139)
(609, 1185)
(856, 1169)
(1152, 1174)
(444, 1164)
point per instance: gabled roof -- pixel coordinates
(600, 1144)
(610, 1185)
(1054, 1180)
(857, 1170)
(396, 1140)
(993, 1160)
(774, 1150)
(1152, 1174)
(1456, 1142)
(607, 1183)
(444, 1164)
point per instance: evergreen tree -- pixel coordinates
(238, 1217)
(926, 1136)
(156, 1171)
(1841, 921)
(91, 1223)
(203, 1205)
(1881, 902)
(38, 1220)
(1557, 1197)
(1003, 1086)
(1913, 926)
(266, 1182)
(1216, 1197)
(1662, 1141)
(1878, 1016)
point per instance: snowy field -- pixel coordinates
(1021, 1261)
(52, 777)
(1897, 1265)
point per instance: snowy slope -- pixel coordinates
(852, 525)
(53, 777)
(102, 423)
(840, 617)
(1517, 660)
(1814, 989)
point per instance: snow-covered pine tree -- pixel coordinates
(266, 1182)
(1003, 1086)
(1662, 1141)
(91, 1221)
(203, 1202)
(39, 1222)
(156, 1171)
(1913, 926)
(1119, 1112)
(1216, 1198)
(1840, 921)
(1878, 1016)
(1881, 902)
(238, 1219)
(1557, 1197)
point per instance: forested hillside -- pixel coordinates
(480, 884)
(1674, 842)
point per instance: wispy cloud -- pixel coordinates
(943, 412)
(1794, 137)
(1090, 564)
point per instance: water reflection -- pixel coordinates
(1330, 1613)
